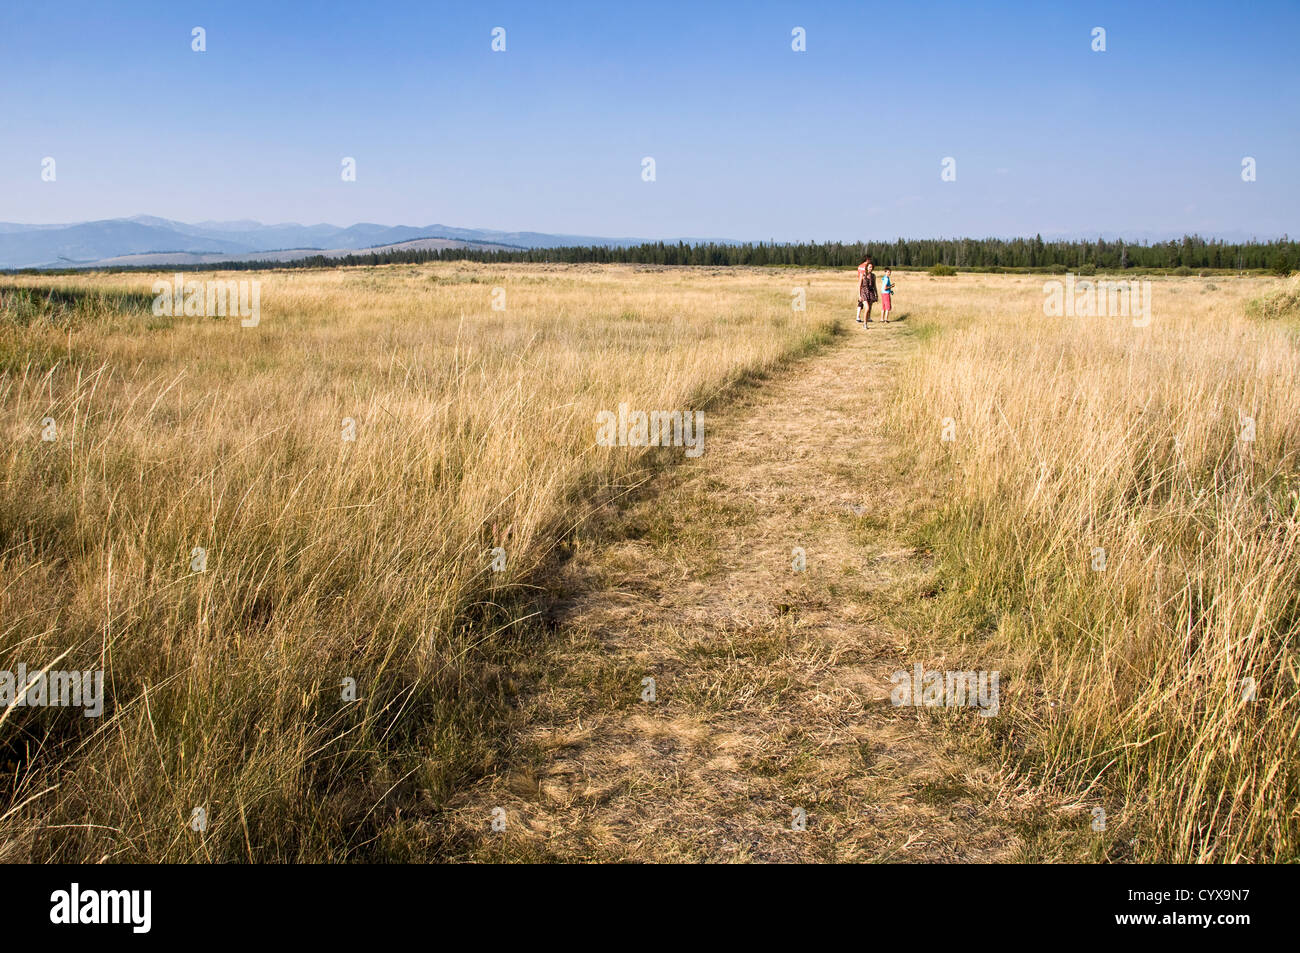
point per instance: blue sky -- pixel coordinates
(751, 140)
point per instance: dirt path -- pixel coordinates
(771, 685)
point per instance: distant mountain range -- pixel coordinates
(147, 240)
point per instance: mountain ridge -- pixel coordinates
(90, 243)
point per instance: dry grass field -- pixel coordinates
(1119, 530)
(326, 559)
(1160, 687)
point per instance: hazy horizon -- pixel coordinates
(1107, 235)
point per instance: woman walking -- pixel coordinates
(866, 289)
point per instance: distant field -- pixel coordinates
(217, 259)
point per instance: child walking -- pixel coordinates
(887, 295)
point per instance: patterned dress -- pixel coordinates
(867, 287)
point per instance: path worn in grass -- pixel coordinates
(772, 686)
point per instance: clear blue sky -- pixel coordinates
(751, 140)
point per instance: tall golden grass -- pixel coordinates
(327, 560)
(1127, 687)
(1159, 683)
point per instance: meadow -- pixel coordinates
(1112, 511)
(324, 559)
(1116, 518)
